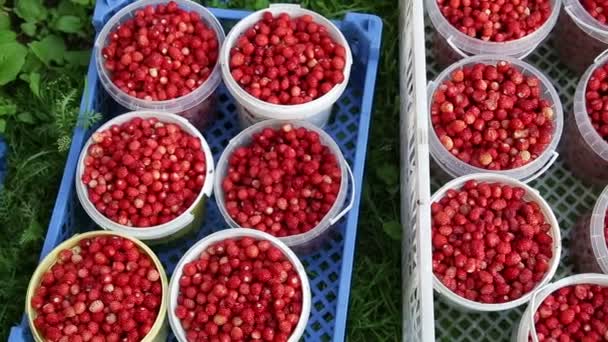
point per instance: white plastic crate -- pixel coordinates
(415, 181)
(425, 317)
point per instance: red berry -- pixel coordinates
(489, 246)
(495, 21)
(596, 102)
(284, 182)
(156, 46)
(573, 313)
(597, 9)
(492, 116)
(157, 169)
(88, 297)
(235, 301)
(285, 60)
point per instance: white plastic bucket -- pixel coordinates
(464, 45)
(189, 220)
(338, 210)
(585, 21)
(251, 109)
(525, 328)
(526, 173)
(531, 195)
(194, 252)
(590, 251)
(159, 330)
(586, 151)
(582, 37)
(199, 105)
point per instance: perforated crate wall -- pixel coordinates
(415, 212)
(329, 268)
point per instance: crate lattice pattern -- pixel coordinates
(569, 198)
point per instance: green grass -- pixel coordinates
(37, 155)
(36, 160)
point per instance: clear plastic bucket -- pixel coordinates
(199, 106)
(585, 151)
(451, 44)
(160, 329)
(311, 239)
(582, 37)
(589, 244)
(194, 252)
(526, 173)
(525, 328)
(189, 221)
(251, 109)
(467, 305)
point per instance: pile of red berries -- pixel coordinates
(573, 313)
(497, 21)
(489, 244)
(283, 182)
(492, 116)
(239, 290)
(597, 9)
(596, 96)
(162, 53)
(286, 60)
(143, 172)
(103, 289)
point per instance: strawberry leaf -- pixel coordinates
(11, 60)
(50, 49)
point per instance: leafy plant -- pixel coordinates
(38, 136)
(34, 38)
(44, 46)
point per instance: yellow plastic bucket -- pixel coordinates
(160, 328)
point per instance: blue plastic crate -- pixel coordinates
(3, 156)
(330, 268)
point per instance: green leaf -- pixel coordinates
(49, 49)
(30, 10)
(259, 4)
(11, 60)
(29, 28)
(80, 57)
(25, 117)
(89, 118)
(68, 24)
(63, 143)
(35, 83)
(67, 7)
(388, 173)
(8, 109)
(5, 21)
(32, 63)
(82, 2)
(7, 36)
(2, 125)
(216, 3)
(392, 229)
(32, 233)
